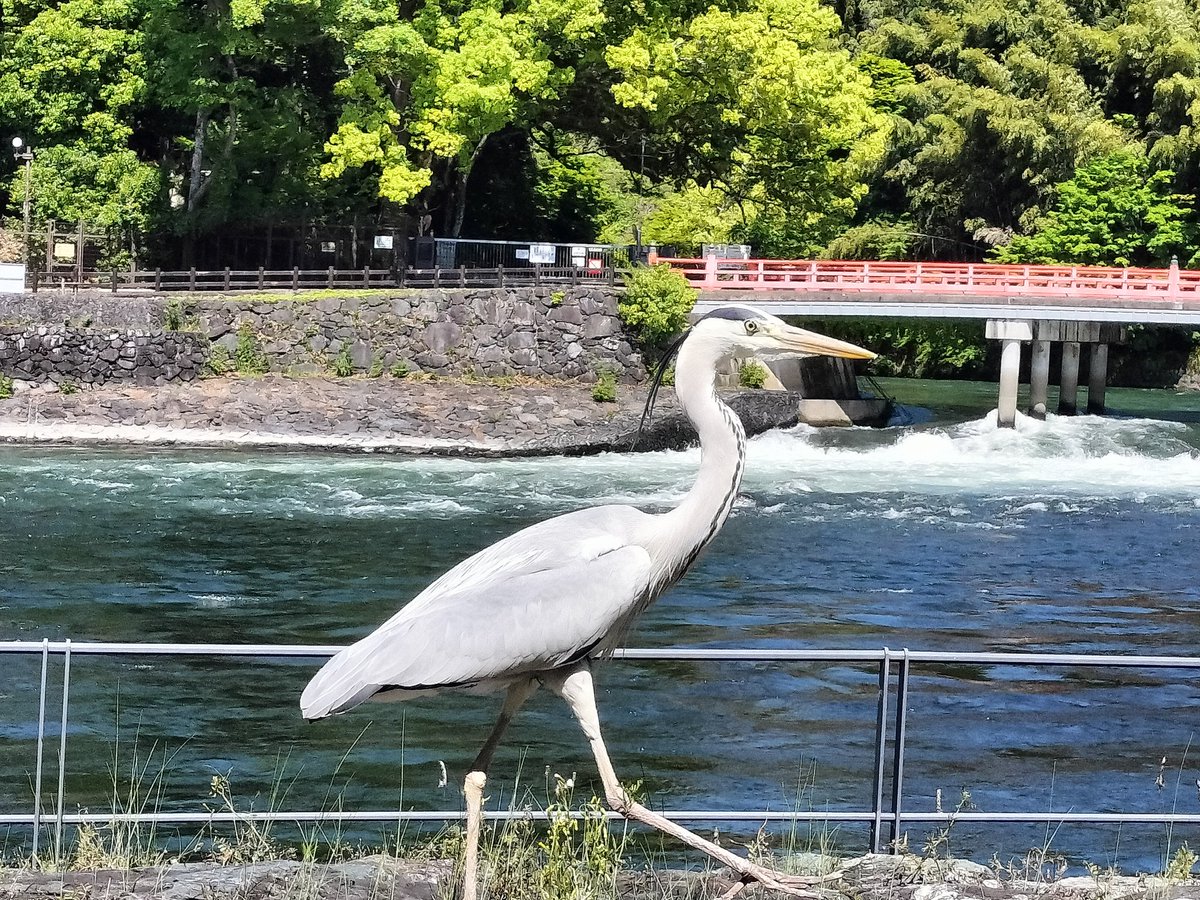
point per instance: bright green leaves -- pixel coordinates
(760, 105)
(424, 94)
(75, 72)
(1114, 211)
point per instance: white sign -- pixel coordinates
(328, 246)
(523, 253)
(578, 255)
(541, 253)
(383, 242)
(64, 250)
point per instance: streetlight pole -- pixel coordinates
(24, 153)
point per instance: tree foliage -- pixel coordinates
(1115, 211)
(889, 128)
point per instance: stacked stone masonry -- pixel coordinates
(569, 333)
(66, 354)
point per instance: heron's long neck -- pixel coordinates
(722, 451)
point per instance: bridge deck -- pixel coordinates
(948, 290)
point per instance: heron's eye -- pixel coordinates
(751, 326)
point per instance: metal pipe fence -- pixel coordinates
(885, 818)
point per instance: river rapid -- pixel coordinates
(939, 533)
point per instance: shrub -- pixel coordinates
(343, 366)
(219, 361)
(68, 387)
(656, 303)
(247, 358)
(376, 369)
(605, 388)
(6, 387)
(752, 374)
(400, 369)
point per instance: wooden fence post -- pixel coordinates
(158, 278)
(192, 280)
(227, 278)
(329, 278)
(295, 278)
(366, 276)
(114, 281)
(462, 276)
(261, 277)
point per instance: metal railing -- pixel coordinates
(891, 727)
(916, 278)
(297, 279)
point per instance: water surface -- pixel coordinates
(1078, 535)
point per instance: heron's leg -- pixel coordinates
(476, 780)
(576, 688)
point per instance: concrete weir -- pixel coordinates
(1041, 334)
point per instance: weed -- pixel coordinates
(6, 387)
(248, 359)
(605, 388)
(400, 369)
(752, 374)
(342, 365)
(557, 298)
(68, 387)
(219, 361)
(176, 317)
(376, 369)
(251, 841)
(1181, 865)
(937, 844)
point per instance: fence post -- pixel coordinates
(79, 257)
(295, 278)
(158, 278)
(500, 276)
(885, 672)
(366, 276)
(227, 278)
(114, 281)
(261, 277)
(462, 276)
(192, 280)
(612, 274)
(1173, 279)
(710, 271)
(329, 277)
(537, 273)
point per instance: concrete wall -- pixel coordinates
(538, 331)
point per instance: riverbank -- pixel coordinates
(903, 877)
(456, 417)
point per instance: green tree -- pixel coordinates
(1116, 210)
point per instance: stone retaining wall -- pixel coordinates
(71, 355)
(539, 331)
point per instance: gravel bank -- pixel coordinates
(444, 416)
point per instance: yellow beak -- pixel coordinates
(797, 340)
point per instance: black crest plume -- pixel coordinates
(660, 372)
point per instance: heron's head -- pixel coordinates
(743, 331)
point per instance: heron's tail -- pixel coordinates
(338, 687)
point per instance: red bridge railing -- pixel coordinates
(924, 278)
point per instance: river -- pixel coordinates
(940, 533)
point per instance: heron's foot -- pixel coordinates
(790, 885)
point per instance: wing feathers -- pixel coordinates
(468, 629)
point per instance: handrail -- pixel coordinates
(893, 666)
(909, 278)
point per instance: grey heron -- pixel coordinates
(539, 607)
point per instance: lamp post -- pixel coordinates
(22, 152)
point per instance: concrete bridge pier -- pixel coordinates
(1010, 333)
(1039, 379)
(1041, 334)
(1097, 377)
(1068, 380)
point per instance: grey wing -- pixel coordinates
(538, 609)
